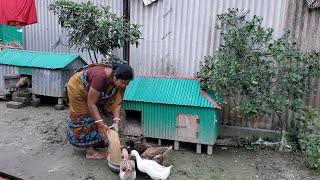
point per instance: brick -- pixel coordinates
(59, 107)
(22, 94)
(21, 99)
(15, 105)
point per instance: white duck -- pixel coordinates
(127, 167)
(152, 168)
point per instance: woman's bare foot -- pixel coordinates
(95, 154)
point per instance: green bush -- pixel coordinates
(272, 76)
(305, 136)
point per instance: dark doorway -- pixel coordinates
(133, 123)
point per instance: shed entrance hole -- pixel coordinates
(29, 77)
(133, 125)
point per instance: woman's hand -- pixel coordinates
(102, 130)
(115, 126)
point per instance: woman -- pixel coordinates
(90, 90)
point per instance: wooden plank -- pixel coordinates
(176, 145)
(198, 148)
(210, 149)
(188, 128)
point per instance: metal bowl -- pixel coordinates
(113, 166)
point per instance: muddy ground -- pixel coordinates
(33, 146)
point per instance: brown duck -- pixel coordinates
(127, 167)
(157, 154)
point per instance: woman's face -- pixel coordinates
(119, 83)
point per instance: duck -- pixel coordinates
(151, 168)
(127, 167)
(132, 145)
(157, 154)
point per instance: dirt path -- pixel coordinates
(33, 146)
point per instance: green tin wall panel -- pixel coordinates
(25, 70)
(159, 120)
(11, 33)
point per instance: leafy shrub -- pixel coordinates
(272, 76)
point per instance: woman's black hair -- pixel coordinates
(122, 71)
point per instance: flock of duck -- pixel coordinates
(149, 162)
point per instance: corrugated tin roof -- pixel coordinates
(48, 60)
(164, 90)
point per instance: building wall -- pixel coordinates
(177, 34)
(159, 120)
(6, 70)
(49, 82)
(304, 24)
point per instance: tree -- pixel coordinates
(94, 29)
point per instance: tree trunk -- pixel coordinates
(90, 57)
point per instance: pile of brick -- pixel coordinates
(22, 96)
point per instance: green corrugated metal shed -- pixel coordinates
(49, 71)
(11, 33)
(175, 91)
(36, 59)
(161, 101)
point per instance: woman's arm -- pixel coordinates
(117, 110)
(93, 97)
(117, 113)
(116, 118)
